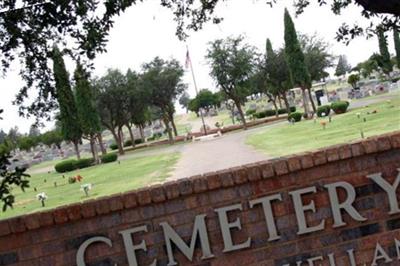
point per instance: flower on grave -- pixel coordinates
(323, 124)
(42, 197)
(86, 188)
(323, 114)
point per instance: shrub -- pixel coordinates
(66, 166)
(263, 114)
(128, 143)
(138, 141)
(326, 109)
(296, 116)
(84, 163)
(340, 107)
(108, 158)
(284, 111)
(251, 112)
(114, 146)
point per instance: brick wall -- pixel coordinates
(53, 237)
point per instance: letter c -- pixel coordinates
(80, 256)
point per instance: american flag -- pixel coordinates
(188, 61)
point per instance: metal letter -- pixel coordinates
(80, 255)
(389, 189)
(380, 254)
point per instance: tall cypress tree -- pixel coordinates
(385, 62)
(397, 46)
(299, 74)
(88, 116)
(68, 117)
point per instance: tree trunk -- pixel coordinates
(273, 100)
(287, 105)
(312, 101)
(280, 101)
(174, 127)
(131, 134)
(305, 102)
(93, 148)
(102, 148)
(117, 139)
(141, 130)
(168, 128)
(239, 107)
(76, 146)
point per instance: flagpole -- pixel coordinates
(195, 88)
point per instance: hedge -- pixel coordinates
(251, 112)
(326, 109)
(296, 116)
(114, 146)
(268, 113)
(84, 163)
(138, 141)
(340, 107)
(66, 166)
(108, 158)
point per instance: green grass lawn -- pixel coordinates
(106, 179)
(287, 139)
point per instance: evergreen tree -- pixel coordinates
(68, 117)
(299, 74)
(86, 107)
(385, 62)
(397, 46)
(342, 66)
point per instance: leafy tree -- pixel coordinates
(34, 131)
(194, 106)
(206, 99)
(385, 61)
(342, 66)
(299, 73)
(53, 137)
(3, 135)
(232, 66)
(112, 104)
(353, 80)
(12, 138)
(86, 107)
(26, 143)
(184, 101)
(68, 117)
(367, 67)
(163, 80)
(396, 38)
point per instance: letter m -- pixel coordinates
(199, 230)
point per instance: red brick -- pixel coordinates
(102, 206)
(116, 203)
(199, 184)
(280, 167)
(294, 163)
(74, 212)
(46, 218)
(345, 152)
(332, 154)
(171, 190)
(143, 196)
(129, 200)
(383, 143)
(226, 178)
(319, 157)
(32, 221)
(185, 187)
(253, 172)
(267, 169)
(60, 215)
(239, 175)
(4, 228)
(306, 160)
(157, 194)
(17, 224)
(357, 149)
(370, 146)
(213, 181)
(88, 209)
(395, 140)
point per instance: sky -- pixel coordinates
(147, 30)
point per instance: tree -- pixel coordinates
(89, 120)
(34, 131)
(163, 80)
(232, 65)
(206, 99)
(53, 137)
(385, 61)
(68, 117)
(396, 38)
(3, 135)
(353, 80)
(26, 143)
(299, 74)
(112, 104)
(184, 101)
(367, 67)
(342, 66)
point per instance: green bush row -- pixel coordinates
(268, 113)
(72, 164)
(295, 116)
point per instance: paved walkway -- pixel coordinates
(220, 153)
